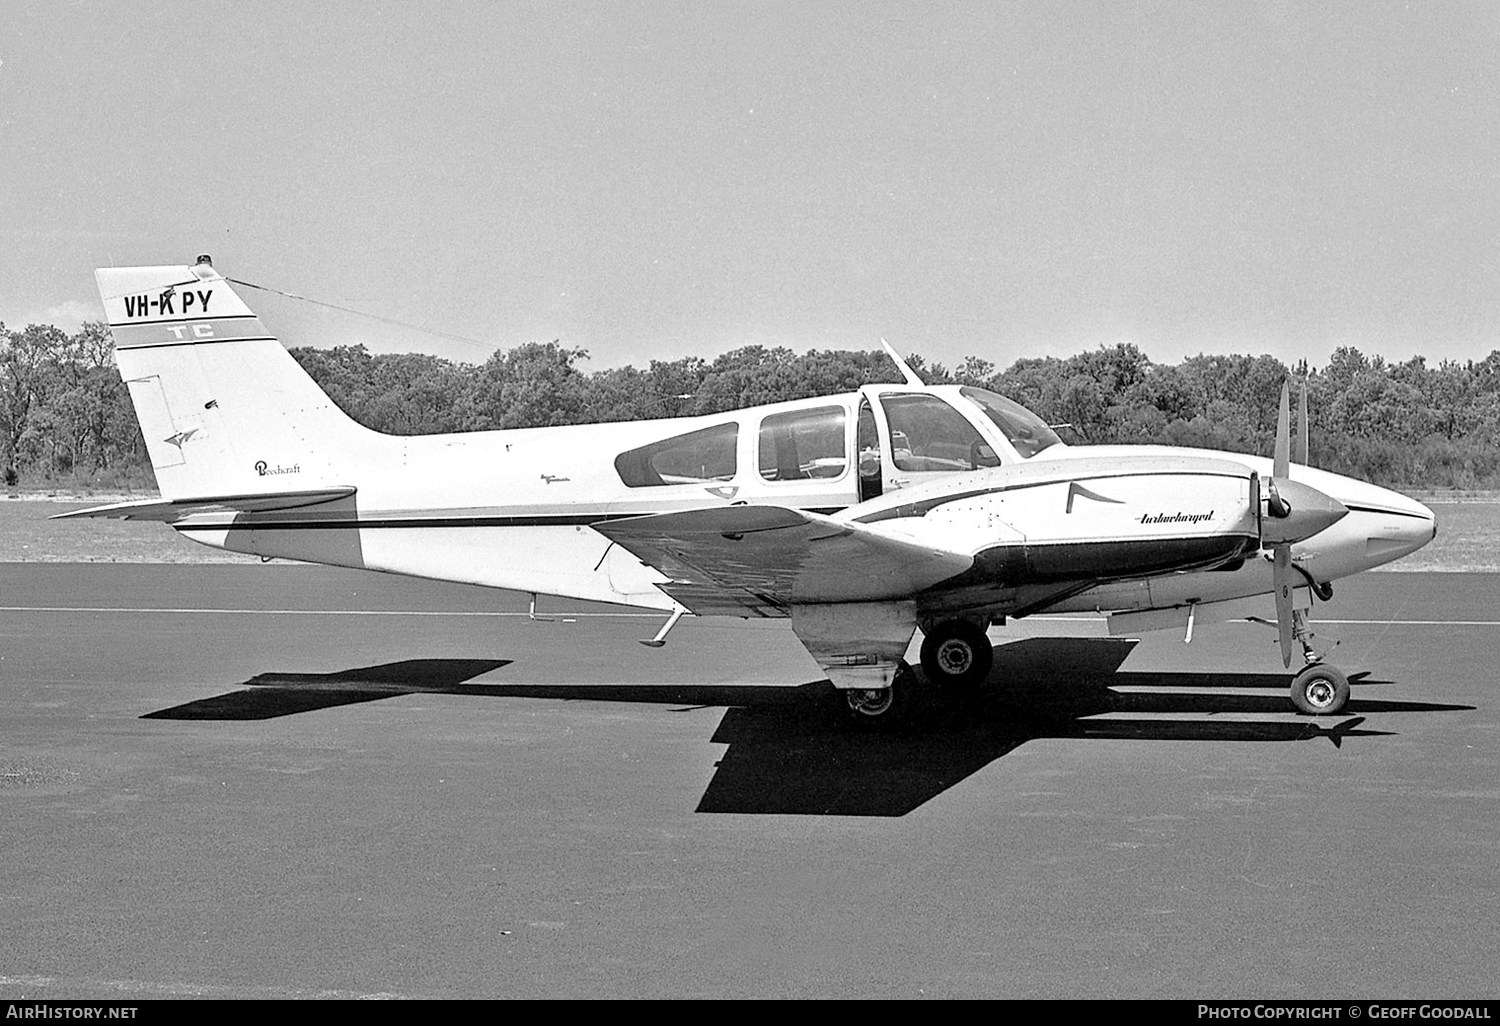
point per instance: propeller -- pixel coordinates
(1293, 511)
(1302, 426)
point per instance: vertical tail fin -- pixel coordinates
(224, 408)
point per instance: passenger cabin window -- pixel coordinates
(804, 444)
(693, 458)
(929, 436)
(1026, 431)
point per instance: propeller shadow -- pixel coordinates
(795, 750)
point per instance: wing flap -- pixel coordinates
(759, 560)
(169, 511)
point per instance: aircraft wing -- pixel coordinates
(759, 560)
(172, 510)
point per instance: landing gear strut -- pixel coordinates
(957, 652)
(1320, 689)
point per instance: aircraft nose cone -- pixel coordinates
(1400, 530)
(1311, 511)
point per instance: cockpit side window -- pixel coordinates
(1026, 431)
(867, 441)
(804, 444)
(928, 435)
(693, 458)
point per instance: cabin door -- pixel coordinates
(923, 438)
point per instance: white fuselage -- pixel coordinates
(252, 456)
(512, 509)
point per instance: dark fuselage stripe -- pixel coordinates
(925, 506)
(1385, 512)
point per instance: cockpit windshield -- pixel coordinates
(1026, 431)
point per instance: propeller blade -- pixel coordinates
(1255, 493)
(1302, 426)
(1283, 457)
(1281, 573)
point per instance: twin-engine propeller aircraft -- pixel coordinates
(862, 517)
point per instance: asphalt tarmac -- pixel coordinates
(285, 781)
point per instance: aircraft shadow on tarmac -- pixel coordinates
(268, 695)
(793, 750)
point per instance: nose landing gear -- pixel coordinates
(1320, 689)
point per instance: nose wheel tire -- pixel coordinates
(957, 653)
(1320, 690)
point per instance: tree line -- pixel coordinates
(66, 418)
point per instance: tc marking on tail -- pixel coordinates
(199, 330)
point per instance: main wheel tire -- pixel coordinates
(880, 706)
(1320, 690)
(957, 653)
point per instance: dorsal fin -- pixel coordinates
(906, 372)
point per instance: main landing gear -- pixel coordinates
(882, 705)
(957, 653)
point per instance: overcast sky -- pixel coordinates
(648, 180)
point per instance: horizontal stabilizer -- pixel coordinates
(759, 560)
(170, 511)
